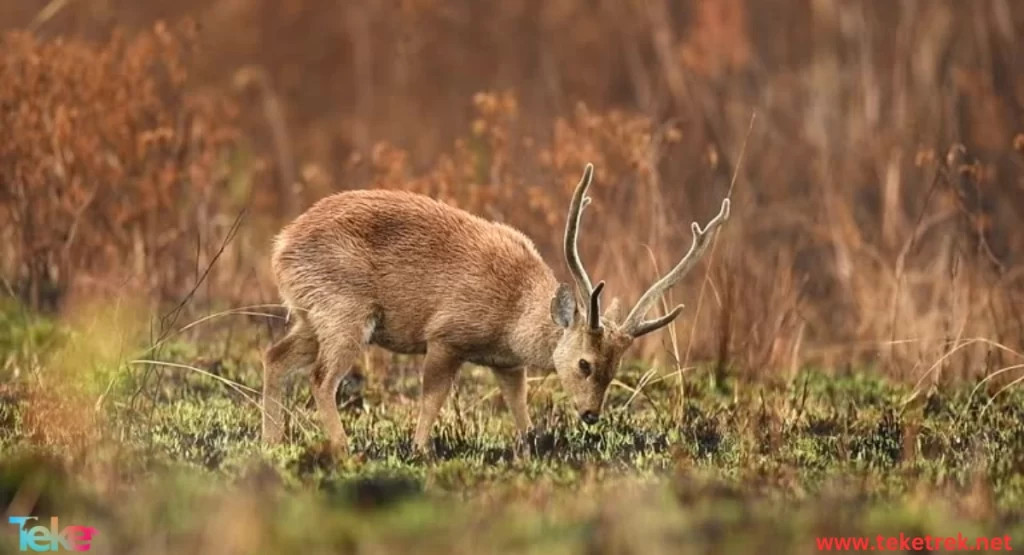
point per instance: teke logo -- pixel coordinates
(38, 538)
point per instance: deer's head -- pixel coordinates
(589, 352)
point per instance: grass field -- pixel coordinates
(167, 459)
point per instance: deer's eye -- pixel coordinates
(585, 367)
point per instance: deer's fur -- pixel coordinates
(415, 276)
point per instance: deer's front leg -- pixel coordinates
(512, 382)
(439, 370)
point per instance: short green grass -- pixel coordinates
(175, 464)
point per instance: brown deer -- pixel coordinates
(413, 275)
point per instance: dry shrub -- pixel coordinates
(112, 168)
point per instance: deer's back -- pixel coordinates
(425, 268)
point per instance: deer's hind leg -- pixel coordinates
(342, 333)
(295, 352)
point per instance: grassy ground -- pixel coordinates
(166, 459)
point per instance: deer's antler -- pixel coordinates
(586, 294)
(634, 324)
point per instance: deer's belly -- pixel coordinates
(396, 343)
(494, 358)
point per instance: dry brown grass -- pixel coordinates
(875, 211)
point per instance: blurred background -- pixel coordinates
(877, 149)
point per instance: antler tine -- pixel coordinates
(647, 326)
(584, 289)
(634, 323)
(594, 312)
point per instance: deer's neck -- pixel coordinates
(535, 335)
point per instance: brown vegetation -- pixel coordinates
(110, 168)
(876, 206)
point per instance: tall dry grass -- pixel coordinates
(876, 207)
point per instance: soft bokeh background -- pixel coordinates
(876, 205)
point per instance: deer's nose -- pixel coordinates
(589, 417)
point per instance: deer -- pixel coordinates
(416, 276)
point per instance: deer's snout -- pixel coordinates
(589, 417)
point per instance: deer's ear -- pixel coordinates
(563, 306)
